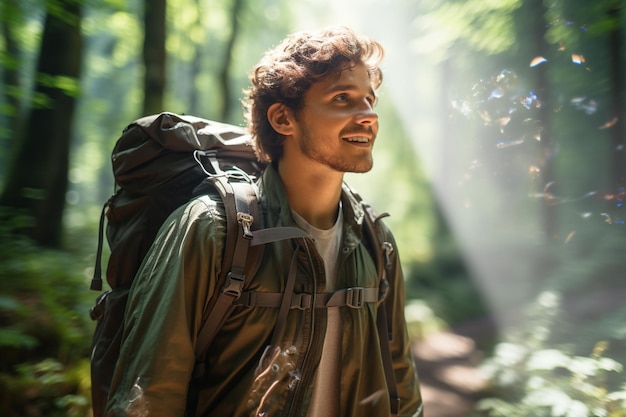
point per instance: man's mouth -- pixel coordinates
(357, 139)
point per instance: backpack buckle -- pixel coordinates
(233, 285)
(387, 250)
(354, 297)
(246, 220)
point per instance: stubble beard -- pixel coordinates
(335, 162)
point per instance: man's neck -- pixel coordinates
(313, 194)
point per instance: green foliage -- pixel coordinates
(47, 387)
(45, 330)
(68, 85)
(531, 377)
(14, 335)
(479, 26)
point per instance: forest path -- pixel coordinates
(447, 364)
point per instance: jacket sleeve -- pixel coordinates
(164, 311)
(403, 362)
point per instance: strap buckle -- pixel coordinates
(354, 297)
(387, 250)
(233, 285)
(246, 220)
(301, 301)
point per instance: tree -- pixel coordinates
(154, 55)
(616, 68)
(10, 14)
(36, 183)
(227, 59)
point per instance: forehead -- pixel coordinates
(353, 77)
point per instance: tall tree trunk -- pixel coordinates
(195, 70)
(227, 59)
(9, 14)
(616, 70)
(154, 55)
(37, 181)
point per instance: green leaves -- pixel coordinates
(532, 378)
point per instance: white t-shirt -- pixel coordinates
(325, 401)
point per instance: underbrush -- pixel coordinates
(45, 329)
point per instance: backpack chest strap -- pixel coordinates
(354, 297)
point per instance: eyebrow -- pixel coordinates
(349, 87)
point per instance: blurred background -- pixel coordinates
(500, 158)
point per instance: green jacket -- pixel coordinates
(179, 276)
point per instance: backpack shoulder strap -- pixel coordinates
(243, 251)
(381, 248)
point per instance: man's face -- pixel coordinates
(337, 125)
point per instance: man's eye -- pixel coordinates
(341, 98)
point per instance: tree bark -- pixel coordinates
(10, 71)
(154, 56)
(37, 180)
(616, 71)
(227, 60)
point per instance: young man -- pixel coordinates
(311, 112)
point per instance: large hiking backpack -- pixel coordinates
(160, 162)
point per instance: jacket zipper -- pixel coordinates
(295, 399)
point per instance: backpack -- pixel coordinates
(161, 162)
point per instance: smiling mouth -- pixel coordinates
(357, 139)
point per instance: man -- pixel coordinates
(311, 112)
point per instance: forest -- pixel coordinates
(501, 160)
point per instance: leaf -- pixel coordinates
(16, 338)
(548, 359)
(509, 353)
(9, 303)
(548, 397)
(577, 409)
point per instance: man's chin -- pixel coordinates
(363, 168)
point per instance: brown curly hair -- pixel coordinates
(286, 72)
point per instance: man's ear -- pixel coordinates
(281, 118)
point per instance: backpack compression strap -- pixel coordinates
(243, 217)
(381, 250)
(355, 297)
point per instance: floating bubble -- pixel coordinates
(537, 61)
(589, 106)
(618, 197)
(609, 124)
(612, 220)
(503, 121)
(578, 59)
(502, 145)
(475, 164)
(530, 101)
(534, 171)
(496, 93)
(570, 236)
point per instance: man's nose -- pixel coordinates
(366, 114)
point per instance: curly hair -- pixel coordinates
(286, 72)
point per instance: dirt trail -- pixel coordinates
(447, 364)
